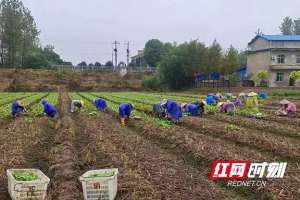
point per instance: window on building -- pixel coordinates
(281, 59)
(279, 76)
(298, 59)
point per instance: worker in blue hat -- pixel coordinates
(211, 99)
(100, 104)
(17, 107)
(49, 109)
(194, 109)
(173, 110)
(125, 110)
(262, 95)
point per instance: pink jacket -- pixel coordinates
(291, 108)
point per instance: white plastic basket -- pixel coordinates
(99, 188)
(23, 190)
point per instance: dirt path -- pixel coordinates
(63, 158)
(168, 175)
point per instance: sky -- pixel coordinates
(84, 30)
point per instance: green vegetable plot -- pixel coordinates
(37, 109)
(28, 100)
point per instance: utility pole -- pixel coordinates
(116, 43)
(128, 52)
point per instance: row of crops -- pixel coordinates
(143, 102)
(30, 100)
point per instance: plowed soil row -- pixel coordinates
(131, 185)
(205, 149)
(272, 127)
(264, 141)
(24, 145)
(253, 138)
(63, 158)
(162, 175)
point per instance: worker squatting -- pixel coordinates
(172, 110)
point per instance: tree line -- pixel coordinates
(19, 39)
(290, 26)
(178, 64)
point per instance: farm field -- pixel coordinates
(156, 159)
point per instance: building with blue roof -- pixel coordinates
(278, 54)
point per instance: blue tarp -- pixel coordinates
(242, 73)
(215, 76)
(201, 77)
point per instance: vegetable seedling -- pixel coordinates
(25, 176)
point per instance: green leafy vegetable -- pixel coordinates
(25, 176)
(103, 174)
(94, 113)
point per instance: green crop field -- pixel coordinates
(149, 149)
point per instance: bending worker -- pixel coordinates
(49, 109)
(16, 108)
(125, 112)
(262, 95)
(287, 108)
(252, 102)
(237, 101)
(227, 107)
(243, 97)
(173, 110)
(100, 104)
(211, 99)
(193, 109)
(76, 105)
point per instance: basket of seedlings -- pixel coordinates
(27, 184)
(100, 184)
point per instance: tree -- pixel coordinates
(98, 64)
(154, 50)
(263, 76)
(230, 61)
(36, 59)
(287, 26)
(180, 64)
(19, 33)
(82, 64)
(109, 64)
(52, 57)
(29, 35)
(295, 75)
(297, 26)
(19, 38)
(214, 57)
(242, 58)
